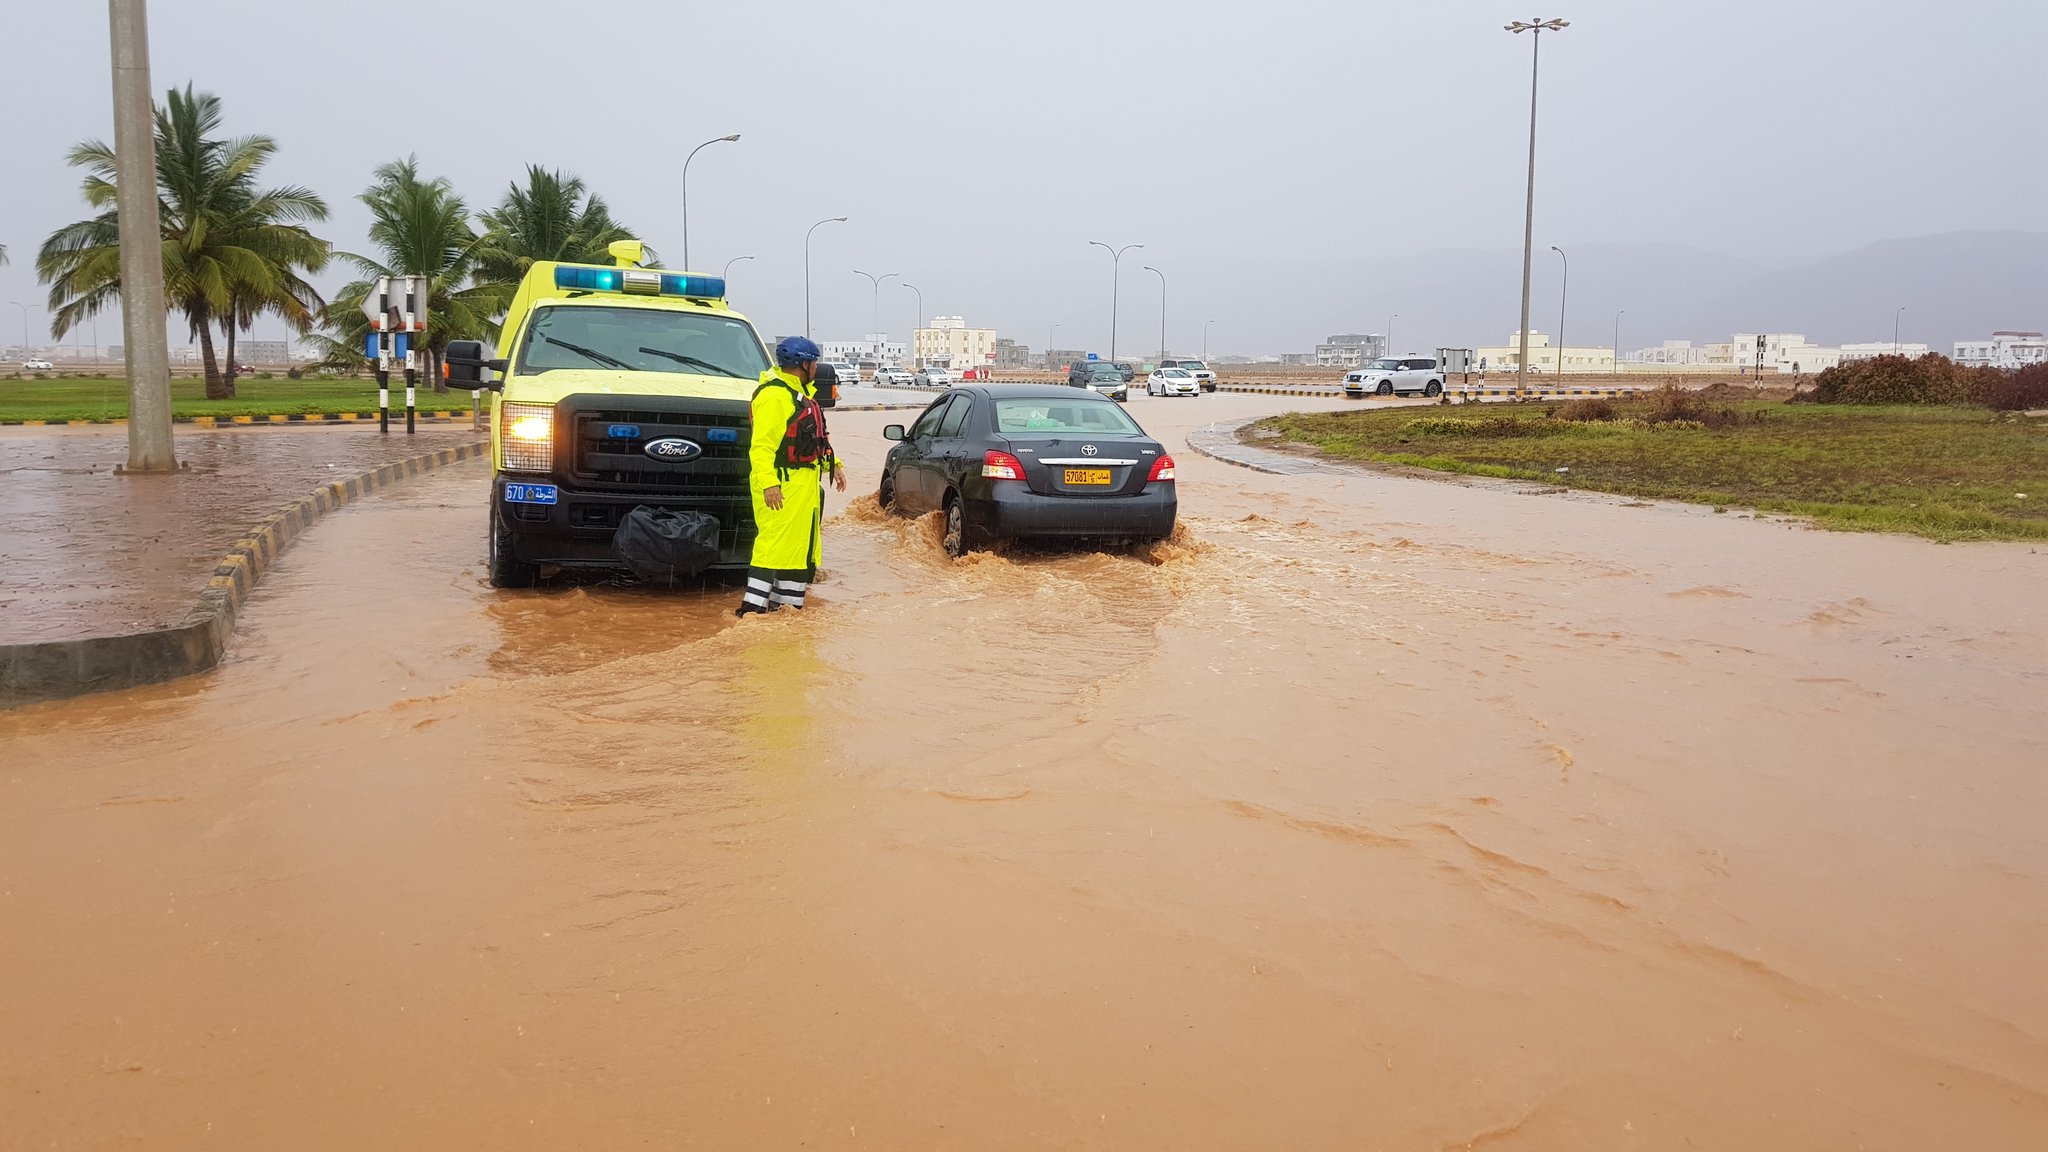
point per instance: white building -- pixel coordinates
(1544, 358)
(874, 348)
(2004, 350)
(1350, 349)
(949, 342)
(1871, 351)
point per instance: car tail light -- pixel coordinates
(1001, 466)
(1162, 469)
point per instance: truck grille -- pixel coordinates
(608, 442)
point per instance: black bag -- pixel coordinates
(664, 546)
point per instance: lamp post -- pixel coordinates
(142, 265)
(727, 273)
(1895, 328)
(1390, 334)
(1116, 257)
(1563, 287)
(917, 321)
(686, 190)
(24, 327)
(877, 282)
(1162, 310)
(807, 268)
(1205, 340)
(1617, 341)
(1538, 27)
(1051, 336)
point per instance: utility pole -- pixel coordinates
(1617, 341)
(1895, 328)
(807, 269)
(1539, 27)
(686, 190)
(142, 262)
(1162, 309)
(1116, 257)
(1205, 340)
(1564, 286)
(1390, 334)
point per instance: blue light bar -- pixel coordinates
(587, 279)
(704, 287)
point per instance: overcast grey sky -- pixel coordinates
(971, 141)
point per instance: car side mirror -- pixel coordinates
(895, 432)
(463, 365)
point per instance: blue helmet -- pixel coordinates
(795, 350)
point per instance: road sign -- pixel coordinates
(397, 304)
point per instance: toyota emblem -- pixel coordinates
(1087, 449)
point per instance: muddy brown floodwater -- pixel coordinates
(1380, 813)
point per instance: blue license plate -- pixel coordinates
(529, 493)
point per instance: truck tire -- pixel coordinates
(507, 570)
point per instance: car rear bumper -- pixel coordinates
(1012, 510)
(577, 529)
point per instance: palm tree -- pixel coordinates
(552, 218)
(231, 249)
(420, 227)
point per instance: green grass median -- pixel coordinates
(1943, 473)
(106, 398)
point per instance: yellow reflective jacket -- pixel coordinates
(771, 412)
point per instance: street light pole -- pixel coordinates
(1617, 341)
(1162, 310)
(141, 232)
(1051, 334)
(1390, 334)
(1539, 27)
(877, 282)
(1116, 257)
(686, 191)
(1895, 328)
(1563, 287)
(24, 327)
(727, 274)
(807, 268)
(1205, 340)
(917, 321)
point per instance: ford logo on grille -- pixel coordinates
(673, 448)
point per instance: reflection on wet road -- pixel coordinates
(1377, 813)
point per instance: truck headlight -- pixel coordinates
(529, 442)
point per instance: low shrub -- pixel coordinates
(1931, 379)
(2020, 391)
(1484, 426)
(294, 373)
(1582, 411)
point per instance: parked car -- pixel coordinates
(1010, 461)
(849, 373)
(894, 374)
(1200, 371)
(1105, 379)
(1172, 382)
(33, 365)
(929, 377)
(1396, 375)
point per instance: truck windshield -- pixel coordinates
(641, 340)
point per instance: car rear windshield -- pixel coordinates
(1063, 417)
(641, 340)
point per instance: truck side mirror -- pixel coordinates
(463, 365)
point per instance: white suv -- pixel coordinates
(847, 371)
(1193, 367)
(1396, 375)
(34, 365)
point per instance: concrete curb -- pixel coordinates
(1219, 442)
(58, 668)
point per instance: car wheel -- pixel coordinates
(506, 569)
(1433, 388)
(1386, 388)
(956, 539)
(886, 494)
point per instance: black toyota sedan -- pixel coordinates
(1009, 461)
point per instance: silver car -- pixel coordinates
(1396, 376)
(934, 378)
(894, 374)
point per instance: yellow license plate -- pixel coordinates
(1087, 476)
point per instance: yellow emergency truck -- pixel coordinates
(618, 387)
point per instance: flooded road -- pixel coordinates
(1378, 813)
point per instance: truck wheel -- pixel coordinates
(507, 570)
